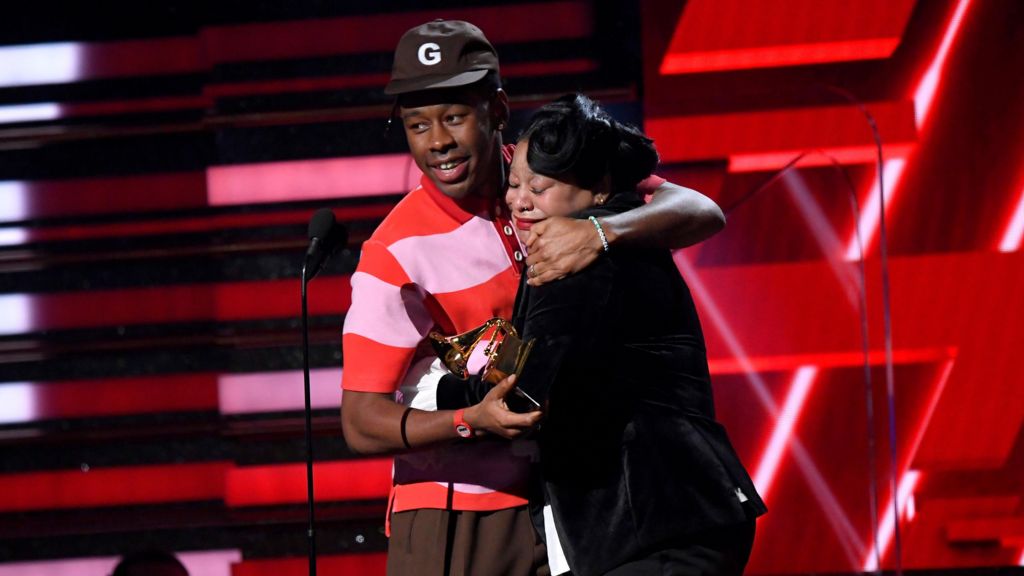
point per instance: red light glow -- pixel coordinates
(373, 563)
(770, 139)
(783, 33)
(776, 56)
(118, 486)
(225, 301)
(908, 478)
(286, 483)
(845, 155)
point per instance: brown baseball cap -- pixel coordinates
(441, 54)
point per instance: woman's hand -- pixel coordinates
(559, 247)
(492, 416)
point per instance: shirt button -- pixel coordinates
(508, 230)
(519, 256)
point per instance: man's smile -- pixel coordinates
(450, 171)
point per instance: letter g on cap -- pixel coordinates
(429, 54)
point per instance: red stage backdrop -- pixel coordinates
(159, 162)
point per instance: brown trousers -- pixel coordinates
(432, 542)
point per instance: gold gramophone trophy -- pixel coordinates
(506, 353)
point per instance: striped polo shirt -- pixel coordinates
(435, 263)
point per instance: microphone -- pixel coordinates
(325, 236)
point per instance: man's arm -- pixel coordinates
(676, 217)
(380, 338)
(372, 422)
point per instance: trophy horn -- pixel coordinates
(505, 352)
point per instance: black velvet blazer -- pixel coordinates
(631, 454)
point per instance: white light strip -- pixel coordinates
(892, 170)
(803, 380)
(15, 314)
(13, 236)
(933, 403)
(204, 563)
(35, 64)
(929, 83)
(292, 180)
(29, 112)
(887, 527)
(924, 95)
(824, 233)
(68, 567)
(1015, 231)
(278, 391)
(17, 403)
(13, 201)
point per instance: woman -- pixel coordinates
(638, 476)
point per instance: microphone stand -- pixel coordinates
(311, 530)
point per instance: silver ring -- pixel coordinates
(531, 271)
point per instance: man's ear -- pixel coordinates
(499, 108)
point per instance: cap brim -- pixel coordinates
(396, 87)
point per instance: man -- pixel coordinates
(447, 259)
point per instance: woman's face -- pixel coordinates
(532, 197)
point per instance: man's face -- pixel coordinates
(451, 135)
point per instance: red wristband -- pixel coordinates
(461, 427)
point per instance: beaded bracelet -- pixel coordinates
(600, 232)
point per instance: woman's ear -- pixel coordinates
(602, 190)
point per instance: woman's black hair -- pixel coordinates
(573, 138)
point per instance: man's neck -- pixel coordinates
(491, 187)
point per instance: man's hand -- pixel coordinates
(493, 416)
(559, 247)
